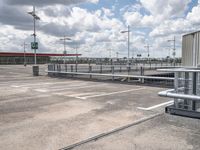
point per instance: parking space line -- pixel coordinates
(44, 83)
(74, 88)
(156, 106)
(23, 98)
(112, 93)
(83, 94)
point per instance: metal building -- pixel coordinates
(191, 49)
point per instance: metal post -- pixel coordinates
(90, 71)
(194, 89)
(128, 44)
(176, 81)
(186, 89)
(34, 35)
(174, 53)
(112, 73)
(101, 68)
(65, 67)
(71, 68)
(76, 59)
(142, 74)
(24, 45)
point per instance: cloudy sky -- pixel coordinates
(94, 25)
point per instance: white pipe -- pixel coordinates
(170, 93)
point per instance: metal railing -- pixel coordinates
(62, 70)
(186, 92)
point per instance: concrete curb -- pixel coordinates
(94, 138)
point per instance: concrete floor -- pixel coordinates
(49, 113)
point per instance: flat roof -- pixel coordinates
(14, 54)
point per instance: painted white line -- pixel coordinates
(156, 106)
(43, 83)
(107, 94)
(74, 88)
(83, 94)
(24, 98)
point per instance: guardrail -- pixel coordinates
(186, 92)
(111, 75)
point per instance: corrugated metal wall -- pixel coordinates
(191, 49)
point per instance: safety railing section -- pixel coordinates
(62, 71)
(186, 92)
(104, 68)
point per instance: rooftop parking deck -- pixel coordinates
(46, 113)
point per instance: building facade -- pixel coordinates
(28, 58)
(191, 49)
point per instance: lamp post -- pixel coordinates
(117, 54)
(35, 17)
(174, 48)
(24, 46)
(64, 43)
(128, 43)
(148, 46)
(76, 56)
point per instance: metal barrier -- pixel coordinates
(105, 68)
(54, 70)
(186, 92)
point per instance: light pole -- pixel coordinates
(128, 43)
(35, 17)
(64, 43)
(76, 56)
(174, 49)
(148, 46)
(24, 45)
(117, 54)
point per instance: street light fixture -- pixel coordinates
(128, 42)
(35, 17)
(64, 43)
(76, 48)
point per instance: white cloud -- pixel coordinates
(194, 16)
(166, 8)
(97, 30)
(107, 12)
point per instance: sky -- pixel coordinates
(95, 26)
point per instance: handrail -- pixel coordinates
(113, 75)
(171, 93)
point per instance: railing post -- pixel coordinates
(128, 69)
(72, 70)
(65, 67)
(176, 82)
(142, 74)
(90, 71)
(112, 73)
(54, 67)
(101, 68)
(194, 89)
(76, 67)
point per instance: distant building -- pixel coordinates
(191, 49)
(28, 58)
